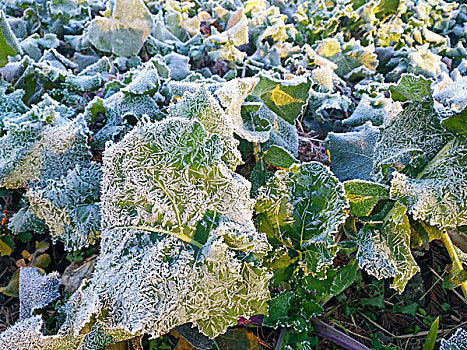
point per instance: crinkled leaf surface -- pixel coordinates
(69, 206)
(41, 144)
(411, 88)
(36, 290)
(414, 131)
(458, 341)
(385, 252)
(303, 208)
(439, 194)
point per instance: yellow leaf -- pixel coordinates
(281, 98)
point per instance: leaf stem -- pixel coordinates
(454, 257)
(337, 337)
(180, 236)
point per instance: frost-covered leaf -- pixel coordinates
(454, 95)
(11, 104)
(203, 106)
(353, 60)
(123, 29)
(292, 309)
(303, 208)
(159, 183)
(286, 98)
(411, 88)
(413, 132)
(364, 195)
(24, 220)
(266, 127)
(36, 290)
(439, 194)
(8, 43)
(68, 206)
(41, 144)
(457, 341)
(385, 252)
(225, 43)
(375, 110)
(351, 152)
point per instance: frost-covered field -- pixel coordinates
(256, 163)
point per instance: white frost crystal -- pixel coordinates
(35, 290)
(178, 244)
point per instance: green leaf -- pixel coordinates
(456, 123)
(377, 301)
(422, 233)
(411, 88)
(344, 278)
(364, 195)
(8, 42)
(303, 208)
(385, 252)
(432, 335)
(410, 309)
(6, 245)
(279, 157)
(286, 98)
(12, 288)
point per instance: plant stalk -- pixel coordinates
(454, 258)
(337, 337)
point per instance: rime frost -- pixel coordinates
(36, 291)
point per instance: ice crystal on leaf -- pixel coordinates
(36, 290)
(458, 341)
(385, 251)
(68, 205)
(123, 29)
(41, 144)
(439, 193)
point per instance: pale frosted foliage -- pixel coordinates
(25, 334)
(371, 109)
(385, 252)
(35, 290)
(159, 183)
(68, 205)
(351, 152)
(41, 144)
(282, 133)
(439, 194)
(454, 95)
(176, 196)
(232, 94)
(203, 106)
(123, 30)
(458, 341)
(228, 40)
(176, 222)
(415, 130)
